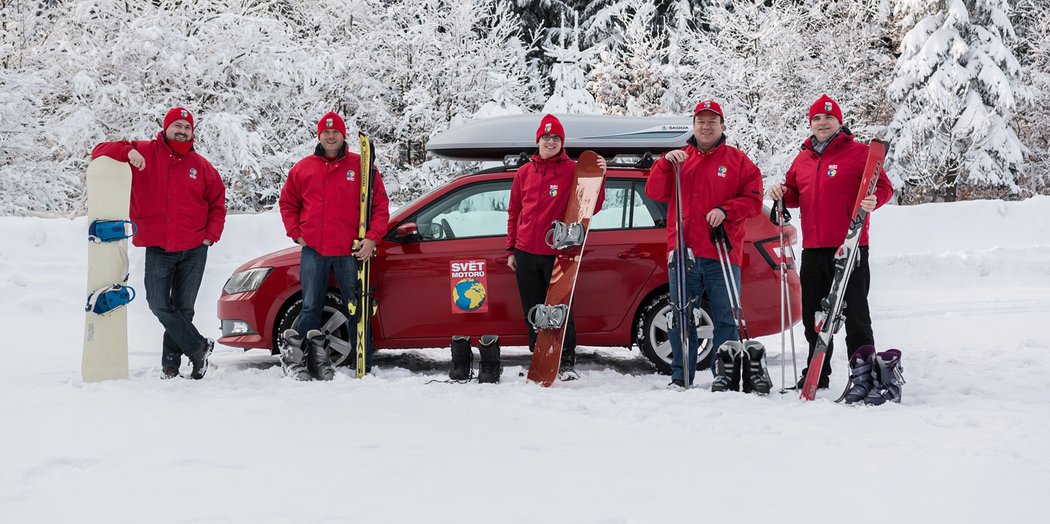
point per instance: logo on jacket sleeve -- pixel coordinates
(833, 170)
(722, 171)
(554, 190)
(193, 173)
(350, 175)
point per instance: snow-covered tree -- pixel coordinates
(1033, 116)
(956, 85)
(569, 76)
(767, 61)
(439, 62)
(629, 78)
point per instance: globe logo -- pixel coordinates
(468, 294)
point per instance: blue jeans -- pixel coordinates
(172, 281)
(314, 273)
(704, 277)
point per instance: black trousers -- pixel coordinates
(534, 275)
(817, 274)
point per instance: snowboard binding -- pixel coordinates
(109, 298)
(101, 231)
(563, 236)
(542, 316)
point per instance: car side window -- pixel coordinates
(626, 207)
(479, 210)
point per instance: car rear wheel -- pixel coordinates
(652, 334)
(335, 321)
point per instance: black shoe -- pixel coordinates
(823, 383)
(490, 369)
(317, 361)
(462, 360)
(567, 372)
(676, 383)
(200, 361)
(169, 372)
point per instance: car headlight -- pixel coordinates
(245, 281)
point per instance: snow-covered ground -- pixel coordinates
(963, 289)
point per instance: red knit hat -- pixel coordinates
(550, 125)
(331, 120)
(709, 105)
(825, 105)
(177, 113)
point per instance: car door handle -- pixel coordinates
(627, 255)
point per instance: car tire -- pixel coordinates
(652, 334)
(335, 320)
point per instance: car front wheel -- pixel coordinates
(652, 334)
(335, 320)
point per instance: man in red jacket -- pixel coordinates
(320, 205)
(720, 186)
(823, 182)
(178, 202)
(540, 195)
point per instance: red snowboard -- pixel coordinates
(546, 359)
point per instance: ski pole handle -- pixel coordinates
(778, 214)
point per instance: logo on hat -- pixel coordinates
(827, 106)
(554, 187)
(722, 171)
(184, 113)
(547, 127)
(193, 173)
(833, 170)
(707, 104)
(350, 175)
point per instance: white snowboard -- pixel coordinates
(106, 336)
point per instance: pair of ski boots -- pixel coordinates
(490, 368)
(736, 362)
(306, 358)
(875, 378)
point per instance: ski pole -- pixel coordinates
(722, 246)
(779, 215)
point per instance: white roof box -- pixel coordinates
(496, 138)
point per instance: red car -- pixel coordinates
(452, 240)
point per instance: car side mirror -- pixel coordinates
(408, 230)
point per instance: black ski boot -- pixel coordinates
(861, 374)
(200, 360)
(490, 368)
(317, 362)
(755, 375)
(462, 360)
(292, 358)
(889, 378)
(728, 357)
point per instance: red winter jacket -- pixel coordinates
(539, 196)
(723, 178)
(176, 201)
(824, 186)
(321, 202)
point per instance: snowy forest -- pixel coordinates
(961, 88)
